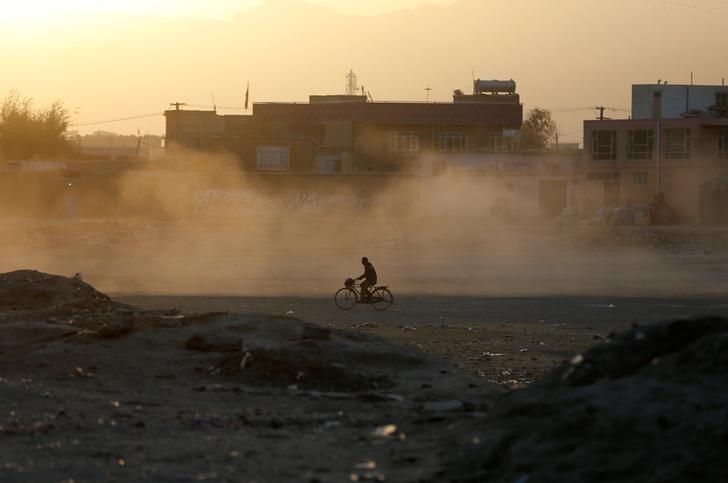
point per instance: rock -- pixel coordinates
(443, 406)
(385, 431)
(114, 330)
(314, 332)
(220, 344)
(651, 395)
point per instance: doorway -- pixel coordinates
(553, 198)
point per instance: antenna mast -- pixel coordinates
(352, 87)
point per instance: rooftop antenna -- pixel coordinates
(691, 78)
(428, 89)
(352, 87)
(214, 105)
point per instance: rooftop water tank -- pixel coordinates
(495, 86)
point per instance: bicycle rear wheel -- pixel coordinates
(346, 299)
(382, 299)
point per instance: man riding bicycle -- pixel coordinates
(369, 277)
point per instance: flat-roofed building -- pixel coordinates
(350, 133)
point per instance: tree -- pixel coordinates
(26, 132)
(538, 129)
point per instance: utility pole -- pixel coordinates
(177, 105)
(601, 112)
(428, 89)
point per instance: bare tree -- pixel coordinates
(26, 132)
(538, 129)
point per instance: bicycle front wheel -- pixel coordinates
(346, 299)
(382, 299)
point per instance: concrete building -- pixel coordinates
(107, 146)
(331, 134)
(535, 185)
(675, 145)
(628, 162)
(663, 101)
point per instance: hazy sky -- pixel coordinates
(217, 9)
(114, 59)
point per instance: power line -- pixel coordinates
(110, 121)
(581, 109)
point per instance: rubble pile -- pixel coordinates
(647, 405)
(287, 352)
(35, 291)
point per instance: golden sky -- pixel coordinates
(216, 9)
(114, 59)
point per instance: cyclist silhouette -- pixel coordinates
(369, 277)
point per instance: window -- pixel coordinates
(603, 176)
(403, 143)
(721, 99)
(273, 158)
(677, 143)
(453, 141)
(639, 178)
(640, 144)
(723, 143)
(604, 145)
(496, 142)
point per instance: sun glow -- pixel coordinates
(23, 9)
(12, 11)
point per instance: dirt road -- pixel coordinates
(511, 341)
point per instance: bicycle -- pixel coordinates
(348, 297)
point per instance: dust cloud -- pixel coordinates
(204, 228)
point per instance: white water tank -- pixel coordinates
(495, 86)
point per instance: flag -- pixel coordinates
(247, 97)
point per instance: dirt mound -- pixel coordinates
(29, 290)
(288, 352)
(648, 405)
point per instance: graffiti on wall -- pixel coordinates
(219, 202)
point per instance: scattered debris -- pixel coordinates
(655, 401)
(385, 431)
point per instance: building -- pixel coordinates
(531, 185)
(663, 101)
(676, 144)
(108, 146)
(351, 133)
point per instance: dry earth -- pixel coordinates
(264, 386)
(96, 390)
